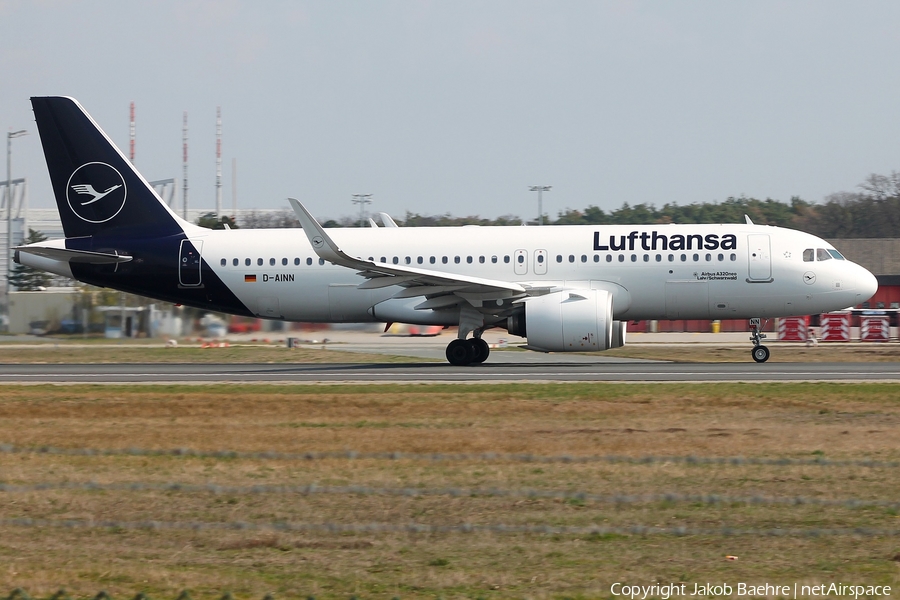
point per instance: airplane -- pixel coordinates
(562, 288)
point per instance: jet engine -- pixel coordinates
(569, 321)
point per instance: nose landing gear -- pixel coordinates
(759, 352)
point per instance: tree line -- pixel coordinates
(871, 212)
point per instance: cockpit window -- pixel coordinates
(809, 255)
(822, 254)
(836, 254)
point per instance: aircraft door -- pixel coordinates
(540, 262)
(760, 257)
(189, 263)
(520, 262)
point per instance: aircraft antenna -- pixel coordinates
(218, 162)
(540, 189)
(234, 189)
(184, 144)
(362, 200)
(131, 134)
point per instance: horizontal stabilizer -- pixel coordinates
(76, 256)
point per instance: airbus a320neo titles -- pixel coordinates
(563, 288)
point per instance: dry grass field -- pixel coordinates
(100, 351)
(797, 421)
(78, 353)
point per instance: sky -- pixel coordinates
(459, 106)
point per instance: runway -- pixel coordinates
(634, 371)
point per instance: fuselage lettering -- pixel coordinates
(654, 240)
(278, 277)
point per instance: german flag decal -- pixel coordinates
(249, 278)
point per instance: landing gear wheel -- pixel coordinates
(460, 353)
(760, 354)
(480, 350)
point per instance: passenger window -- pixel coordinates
(733, 256)
(431, 260)
(609, 258)
(321, 262)
(383, 259)
(571, 258)
(420, 260)
(671, 258)
(271, 262)
(481, 259)
(696, 257)
(444, 259)
(494, 259)
(683, 257)
(521, 259)
(456, 259)
(284, 261)
(308, 262)
(646, 258)
(259, 261)
(469, 259)
(409, 260)
(247, 262)
(584, 258)
(596, 258)
(634, 258)
(709, 258)
(559, 258)
(540, 259)
(224, 262)
(659, 258)
(621, 258)
(506, 259)
(396, 260)
(809, 255)
(721, 256)
(235, 262)
(822, 254)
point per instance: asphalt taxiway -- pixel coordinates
(634, 371)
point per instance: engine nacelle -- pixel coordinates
(570, 321)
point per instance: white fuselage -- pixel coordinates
(276, 273)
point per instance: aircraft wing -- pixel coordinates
(418, 282)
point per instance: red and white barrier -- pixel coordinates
(793, 329)
(875, 328)
(835, 327)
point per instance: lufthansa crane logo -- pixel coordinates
(318, 242)
(96, 192)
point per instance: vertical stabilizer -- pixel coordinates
(97, 188)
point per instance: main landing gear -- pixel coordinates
(759, 352)
(468, 352)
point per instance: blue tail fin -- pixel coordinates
(97, 189)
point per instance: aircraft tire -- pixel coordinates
(480, 350)
(760, 354)
(460, 353)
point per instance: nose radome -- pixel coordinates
(866, 284)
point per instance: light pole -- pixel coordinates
(540, 189)
(362, 200)
(9, 139)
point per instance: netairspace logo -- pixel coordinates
(707, 590)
